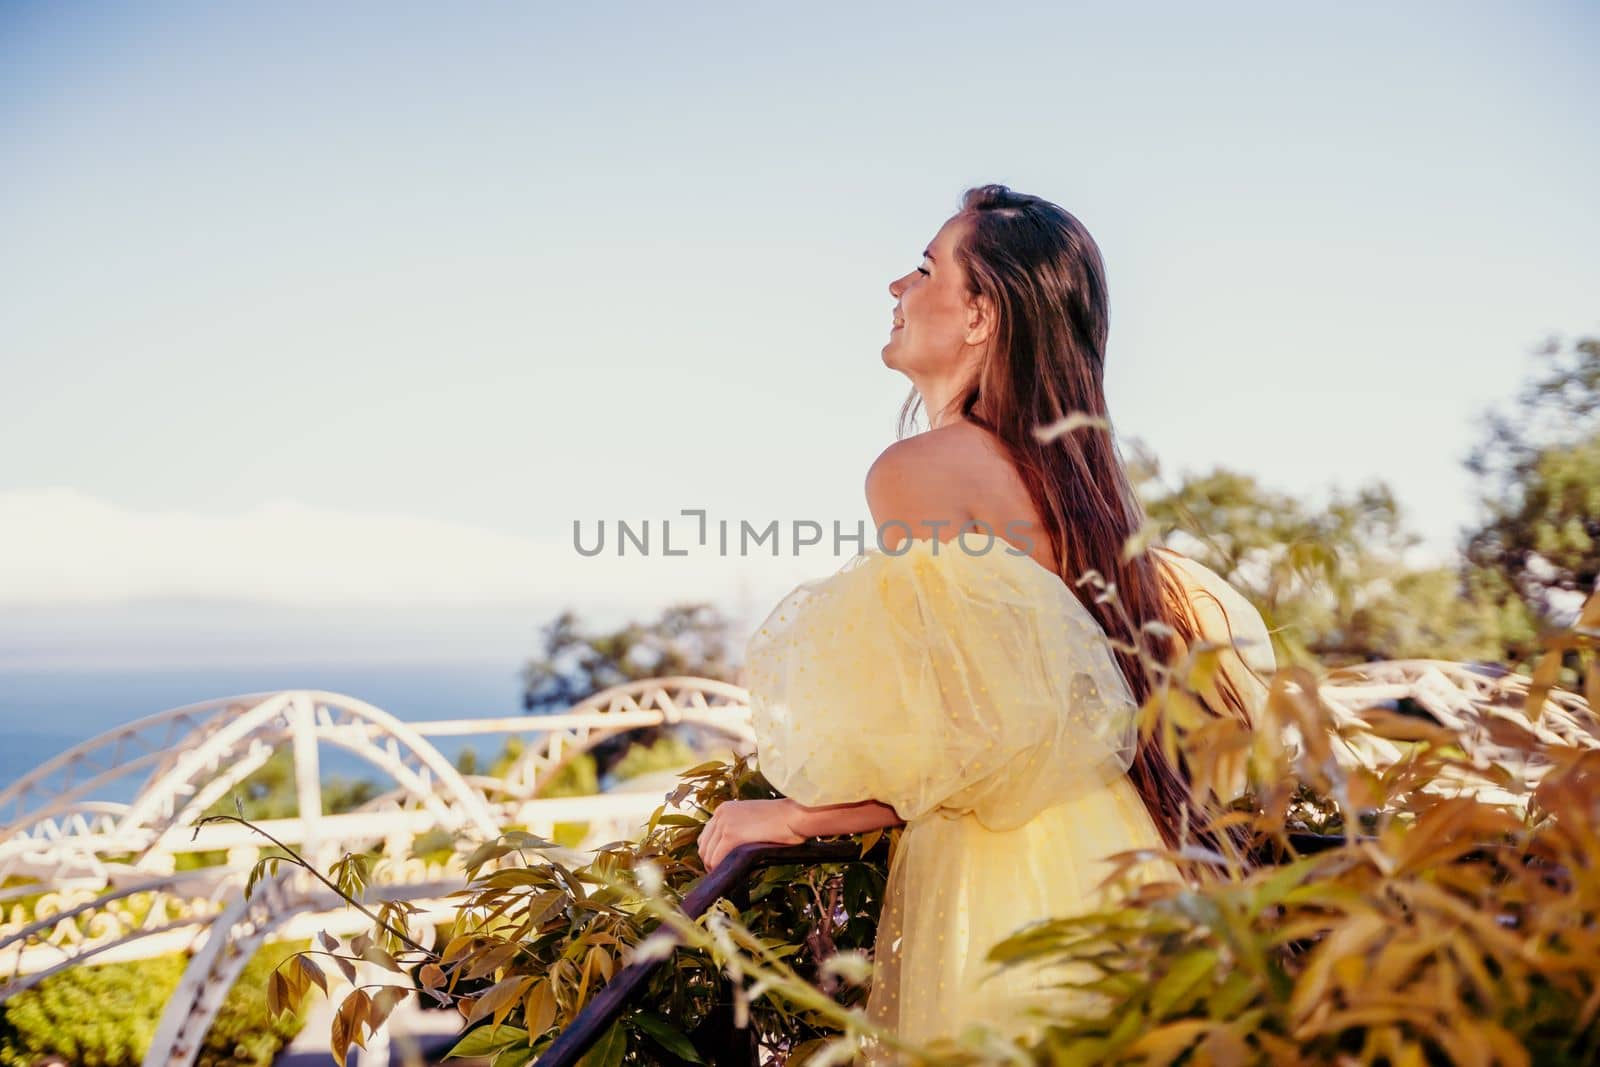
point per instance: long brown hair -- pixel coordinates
(1046, 279)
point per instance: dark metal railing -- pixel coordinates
(730, 879)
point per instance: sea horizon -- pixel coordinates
(45, 710)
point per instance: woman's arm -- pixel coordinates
(784, 822)
(842, 818)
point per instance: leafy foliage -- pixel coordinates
(106, 1015)
(103, 1016)
(670, 752)
(1460, 931)
(1331, 582)
(687, 639)
(1539, 468)
(572, 665)
(245, 1033)
(534, 940)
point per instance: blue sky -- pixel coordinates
(321, 325)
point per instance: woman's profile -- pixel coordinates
(960, 678)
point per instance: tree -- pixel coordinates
(687, 639)
(1539, 476)
(1331, 582)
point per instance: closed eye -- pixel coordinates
(923, 272)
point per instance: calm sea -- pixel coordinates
(45, 711)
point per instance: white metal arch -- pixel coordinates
(315, 715)
(232, 738)
(151, 742)
(187, 759)
(233, 939)
(76, 819)
(256, 755)
(717, 705)
(1463, 698)
(61, 847)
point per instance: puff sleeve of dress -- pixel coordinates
(1226, 618)
(938, 679)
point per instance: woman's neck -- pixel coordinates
(944, 409)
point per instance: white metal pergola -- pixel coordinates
(106, 870)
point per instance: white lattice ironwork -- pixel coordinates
(232, 738)
(717, 706)
(152, 742)
(105, 888)
(1464, 699)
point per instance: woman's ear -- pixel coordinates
(981, 320)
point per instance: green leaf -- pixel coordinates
(277, 994)
(489, 850)
(663, 1033)
(1272, 891)
(487, 1041)
(702, 768)
(523, 839)
(1236, 990)
(1187, 972)
(351, 874)
(680, 820)
(384, 1001)
(608, 1049)
(312, 972)
(500, 996)
(514, 1056)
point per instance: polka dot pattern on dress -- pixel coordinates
(938, 681)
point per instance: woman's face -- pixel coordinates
(932, 331)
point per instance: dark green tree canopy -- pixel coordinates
(1331, 581)
(686, 639)
(1539, 471)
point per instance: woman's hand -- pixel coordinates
(739, 822)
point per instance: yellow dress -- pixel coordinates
(976, 695)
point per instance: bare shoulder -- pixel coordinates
(934, 482)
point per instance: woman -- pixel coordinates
(980, 696)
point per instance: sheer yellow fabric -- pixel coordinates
(975, 694)
(939, 680)
(1225, 617)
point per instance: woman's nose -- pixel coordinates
(895, 286)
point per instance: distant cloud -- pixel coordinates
(63, 547)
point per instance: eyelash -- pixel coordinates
(923, 272)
